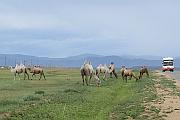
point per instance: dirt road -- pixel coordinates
(170, 105)
(175, 74)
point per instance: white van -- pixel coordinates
(168, 64)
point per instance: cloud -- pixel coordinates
(98, 26)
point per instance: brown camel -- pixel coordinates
(112, 70)
(37, 70)
(123, 68)
(142, 71)
(102, 69)
(129, 73)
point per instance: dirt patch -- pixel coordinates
(4, 115)
(177, 83)
(168, 103)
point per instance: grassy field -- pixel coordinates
(62, 96)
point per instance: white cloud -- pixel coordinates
(108, 27)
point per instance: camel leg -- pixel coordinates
(140, 76)
(130, 77)
(14, 76)
(43, 75)
(111, 75)
(24, 75)
(40, 76)
(83, 78)
(86, 78)
(97, 81)
(90, 78)
(122, 76)
(98, 75)
(115, 74)
(19, 76)
(27, 75)
(126, 78)
(32, 76)
(135, 77)
(105, 76)
(147, 74)
(35, 76)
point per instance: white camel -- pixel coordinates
(104, 70)
(18, 70)
(87, 72)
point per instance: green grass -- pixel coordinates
(62, 96)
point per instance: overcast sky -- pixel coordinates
(60, 28)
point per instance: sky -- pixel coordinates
(61, 28)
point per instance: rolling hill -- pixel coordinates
(76, 61)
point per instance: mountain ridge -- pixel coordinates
(76, 61)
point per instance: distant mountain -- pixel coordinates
(147, 57)
(77, 61)
(83, 56)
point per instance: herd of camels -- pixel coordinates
(87, 72)
(23, 69)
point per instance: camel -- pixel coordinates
(97, 80)
(123, 68)
(87, 72)
(36, 70)
(18, 70)
(13, 70)
(129, 72)
(142, 71)
(112, 70)
(102, 69)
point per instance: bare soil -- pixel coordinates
(168, 103)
